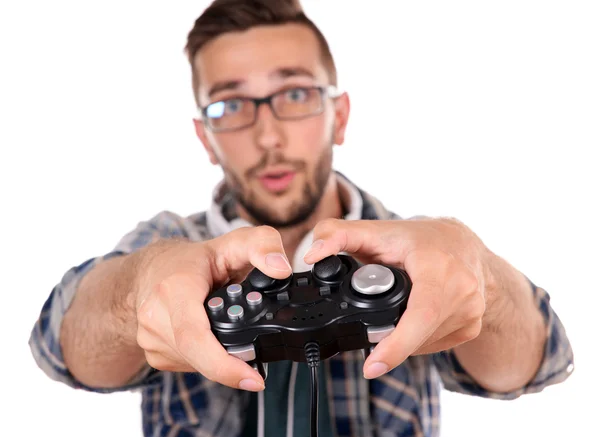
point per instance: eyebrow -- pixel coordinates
(280, 73)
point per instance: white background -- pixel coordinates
(487, 111)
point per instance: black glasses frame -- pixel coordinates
(329, 91)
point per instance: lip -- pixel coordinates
(276, 180)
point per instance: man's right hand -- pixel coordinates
(175, 277)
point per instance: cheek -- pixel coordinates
(311, 135)
(233, 152)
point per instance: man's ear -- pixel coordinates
(201, 133)
(342, 112)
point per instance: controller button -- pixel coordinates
(328, 268)
(284, 295)
(344, 305)
(269, 316)
(259, 280)
(245, 352)
(325, 290)
(302, 282)
(254, 298)
(235, 312)
(377, 333)
(215, 304)
(372, 279)
(234, 290)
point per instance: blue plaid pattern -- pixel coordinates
(404, 402)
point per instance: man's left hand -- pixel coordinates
(446, 262)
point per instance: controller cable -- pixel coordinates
(311, 350)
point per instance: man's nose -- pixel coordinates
(268, 130)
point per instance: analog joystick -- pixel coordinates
(259, 281)
(328, 269)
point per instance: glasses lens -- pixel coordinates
(298, 102)
(230, 114)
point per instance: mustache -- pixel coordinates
(274, 158)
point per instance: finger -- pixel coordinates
(421, 319)
(374, 240)
(246, 247)
(160, 361)
(197, 344)
(151, 343)
(456, 338)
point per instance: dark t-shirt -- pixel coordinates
(276, 403)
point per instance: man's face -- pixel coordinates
(277, 169)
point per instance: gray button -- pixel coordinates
(235, 312)
(269, 316)
(254, 298)
(234, 290)
(245, 352)
(215, 304)
(377, 333)
(372, 279)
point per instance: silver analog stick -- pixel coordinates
(372, 279)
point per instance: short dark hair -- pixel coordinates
(223, 16)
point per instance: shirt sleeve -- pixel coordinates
(44, 340)
(556, 366)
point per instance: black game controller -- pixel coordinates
(339, 305)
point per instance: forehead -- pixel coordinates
(250, 57)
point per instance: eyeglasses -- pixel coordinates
(288, 104)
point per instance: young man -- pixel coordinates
(265, 83)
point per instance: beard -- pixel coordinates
(299, 211)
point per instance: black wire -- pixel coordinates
(314, 401)
(313, 360)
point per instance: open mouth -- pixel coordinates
(277, 181)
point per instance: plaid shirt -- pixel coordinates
(404, 402)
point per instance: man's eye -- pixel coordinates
(232, 106)
(224, 107)
(296, 95)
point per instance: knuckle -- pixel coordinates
(144, 313)
(471, 332)
(326, 226)
(143, 339)
(265, 232)
(155, 360)
(471, 282)
(478, 308)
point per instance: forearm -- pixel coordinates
(508, 352)
(98, 332)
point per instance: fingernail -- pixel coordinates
(251, 385)
(314, 248)
(375, 370)
(278, 262)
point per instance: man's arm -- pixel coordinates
(509, 350)
(98, 332)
